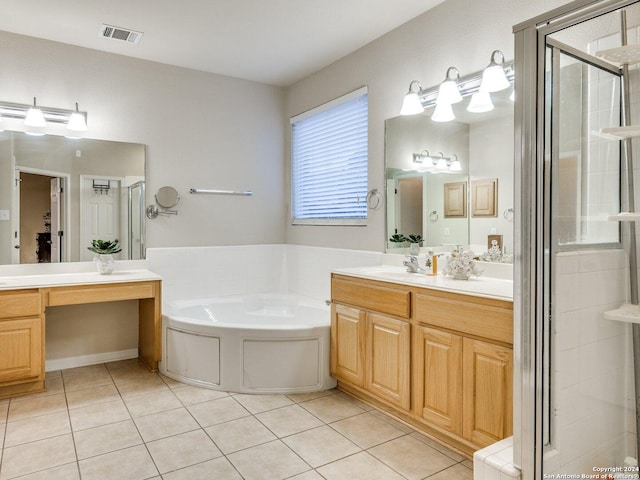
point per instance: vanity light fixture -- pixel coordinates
(448, 91)
(34, 117)
(494, 78)
(480, 102)
(37, 118)
(442, 163)
(438, 161)
(411, 105)
(443, 113)
(455, 166)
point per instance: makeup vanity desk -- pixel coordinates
(23, 303)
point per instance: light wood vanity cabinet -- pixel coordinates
(21, 337)
(438, 360)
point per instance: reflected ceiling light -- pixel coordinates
(455, 166)
(77, 122)
(443, 113)
(493, 77)
(411, 105)
(448, 91)
(480, 102)
(35, 117)
(421, 157)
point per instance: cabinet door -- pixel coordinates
(437, 364)
(20, 348)
(487, 392)
(348, 344)
(388, 359)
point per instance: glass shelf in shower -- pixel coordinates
(625, 55)
(619, 133)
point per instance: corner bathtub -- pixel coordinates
(263, 343)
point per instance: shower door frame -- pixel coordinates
(531, 231)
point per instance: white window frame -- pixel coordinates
(330, 220)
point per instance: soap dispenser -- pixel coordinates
(432, 263)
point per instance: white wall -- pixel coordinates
(201, 130)
(462, 33)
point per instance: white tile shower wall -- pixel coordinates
(591, 364)
(201, 272)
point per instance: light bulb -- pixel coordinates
(34, 117)
(77, 122)
(411, 105)
(448, 91)
(443, 113)
(493, 77)
(480, 102)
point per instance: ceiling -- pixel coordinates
(276, 42)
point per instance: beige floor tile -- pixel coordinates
(218, 469)
(152, 403)
(36, 456)
(320, 446)
(239, 434)
(262, 403)
(182, 451)
(272, 460)
(171, 383)
(289, 420)
(37, 428)
(98, 415)
(149, 385)
(92, 396)
(53, 374)
(28, 407)
(131, 374)
(459, 472)
(360, 466)
(129, 464)
(190, 395)
(332, 408)
(165, 424)
(438, 446)
(4, 410)
(412, 458)
(3, 427)
(64, 472)
(305, 397)
(105, 439)
(128, 363)
(392, 421)
(467, 463)
(367, 430)
(53, 386)
(85, 377)
(217, 411)
(310, 475)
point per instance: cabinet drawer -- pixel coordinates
(491, 319)
(99, 293)
(19, 304)
(371, 296)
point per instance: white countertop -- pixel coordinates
(11, 282)
(477, 286)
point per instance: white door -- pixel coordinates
(99, 212)
(57, 230)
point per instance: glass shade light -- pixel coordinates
(480, 102)
(448, 91)
(421, 157)
(493, 77)
(411, 105)
(455, 166)
(443, 113)
(77, 122)
(442, 164)
(35, 117)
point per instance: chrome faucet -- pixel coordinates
(412, 265)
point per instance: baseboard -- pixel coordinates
(84, 360)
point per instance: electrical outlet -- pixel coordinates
(494, 230)
(446, 231)
(4, 214)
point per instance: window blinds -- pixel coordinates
(330, 162)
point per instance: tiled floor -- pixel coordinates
(119, 421)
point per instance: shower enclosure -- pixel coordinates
(576, 107)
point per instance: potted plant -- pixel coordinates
(398, 239)
(104, 250)
(415, 241)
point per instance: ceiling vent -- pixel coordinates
(109, 31)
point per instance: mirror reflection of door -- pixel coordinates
(100, 214)
(409, 205)
(40, 213)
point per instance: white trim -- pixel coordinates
(91, 359)
(332, 103)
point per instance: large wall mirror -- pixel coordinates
(469, 207)
(58, 194)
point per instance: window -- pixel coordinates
(329, 162)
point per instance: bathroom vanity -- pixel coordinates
(23, 303)
(433, 351)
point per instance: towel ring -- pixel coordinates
(508, 215)
(433, 216)
(374, 199)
